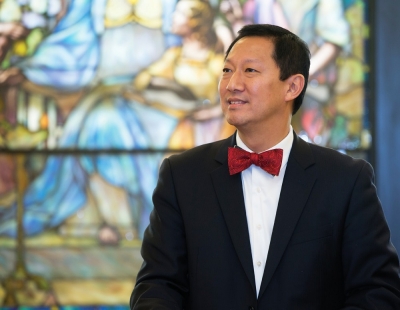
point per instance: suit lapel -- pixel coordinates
(296, 187)
(230, 196)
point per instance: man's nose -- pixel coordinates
(235, 82)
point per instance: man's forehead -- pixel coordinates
(252, 41)
(244, 60)
(251, 49)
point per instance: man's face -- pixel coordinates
(251, 93)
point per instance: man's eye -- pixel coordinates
(226, 70)
(251, 70)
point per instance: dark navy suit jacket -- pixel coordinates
(330, 246)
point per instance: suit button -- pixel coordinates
(251, 308)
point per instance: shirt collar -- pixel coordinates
(285, 145)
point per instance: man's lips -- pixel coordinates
(236, 101)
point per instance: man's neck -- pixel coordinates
(259, 141)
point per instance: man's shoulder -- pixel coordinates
(336, 160)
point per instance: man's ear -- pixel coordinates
(295, 86)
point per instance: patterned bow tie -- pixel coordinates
(239, 160)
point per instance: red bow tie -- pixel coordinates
(239, 160)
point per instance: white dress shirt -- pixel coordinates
(261, 193)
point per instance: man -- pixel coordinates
(308, 234)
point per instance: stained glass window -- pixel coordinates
(95, 93)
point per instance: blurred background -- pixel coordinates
(95, 93)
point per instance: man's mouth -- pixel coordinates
(235, 101)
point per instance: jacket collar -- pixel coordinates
(296, 187)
